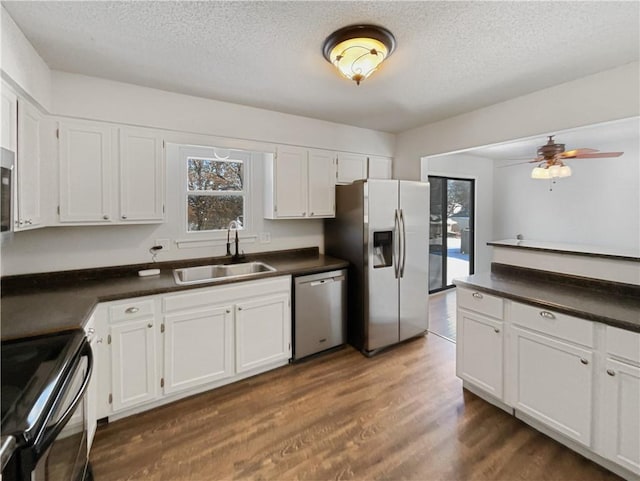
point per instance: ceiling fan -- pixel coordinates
(551, 158)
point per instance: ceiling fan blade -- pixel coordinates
(574, 152)
(540, 159)
(601, 155)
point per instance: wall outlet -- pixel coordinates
(264, 237)
(164, 243)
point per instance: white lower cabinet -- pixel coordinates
(579, 379)
(621, 414)
(133, 363)
(480, 352)
(198, 348)
(263, 331)
(164, 347)
(553, 382)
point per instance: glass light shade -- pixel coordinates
(554, 171)
(540, 173)
(565, 171)
(358, 58)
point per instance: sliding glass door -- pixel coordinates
(451, 230)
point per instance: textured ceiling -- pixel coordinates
(452, 57)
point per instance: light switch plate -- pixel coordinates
(264, 237)
(164, 243)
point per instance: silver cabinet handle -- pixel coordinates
(239, 308)
(496, 330)
(124, 216)
(547, 315)
(311, 214)
(105, 217)
(477, 295)
(28, 222)
(150, 325)
(228, 311)
(611, 372)
(584, 361)
(131, 310)
(91, 330)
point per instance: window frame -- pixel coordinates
(221, 154)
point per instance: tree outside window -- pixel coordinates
(215, 193)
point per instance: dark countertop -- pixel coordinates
(571, 249)
(616, 305)
(45, 303)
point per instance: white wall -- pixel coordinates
(598, 205)
(93, 98)
(609, 95)
(21, 65)
(468, 166)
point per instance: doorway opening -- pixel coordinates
(451, 231)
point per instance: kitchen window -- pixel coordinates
(217, 190)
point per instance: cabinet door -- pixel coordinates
(85, 172)
(621, 413)
(9, 124)
(553, 383)
(479, 353)
(133, 363)
(263, 331)
(28, 167)
(379, 167)
(351, 167)
(141, 176)
(290, 182)
(322, 183)
(198, 348)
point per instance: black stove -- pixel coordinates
(41, 387)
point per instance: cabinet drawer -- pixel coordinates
(479, 302)
(623, 343)
(132, 309)
(559, 325)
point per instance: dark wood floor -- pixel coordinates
(442, 314)
(400, 415)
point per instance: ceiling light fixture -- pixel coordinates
(358, 50)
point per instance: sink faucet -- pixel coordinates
(233, 225)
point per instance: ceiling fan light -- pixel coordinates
(554, 171)
(565, 171)
(540, 173)
(358, 50)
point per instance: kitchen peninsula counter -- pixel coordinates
(601, 301)
(51, 302)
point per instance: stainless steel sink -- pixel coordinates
(202, 274)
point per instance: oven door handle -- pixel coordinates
(52, 432)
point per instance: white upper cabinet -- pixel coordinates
(9, 110)
(141, 176)
(322, 183)
(289, 183)
(300, 184)
(28, 214)
(379, 167)
(351, 167)
(86, 166)
(98, 162)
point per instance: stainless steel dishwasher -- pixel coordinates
(320, 312)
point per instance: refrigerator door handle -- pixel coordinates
(396, 231)
(404, 243)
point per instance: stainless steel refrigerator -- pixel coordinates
(382, 228)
